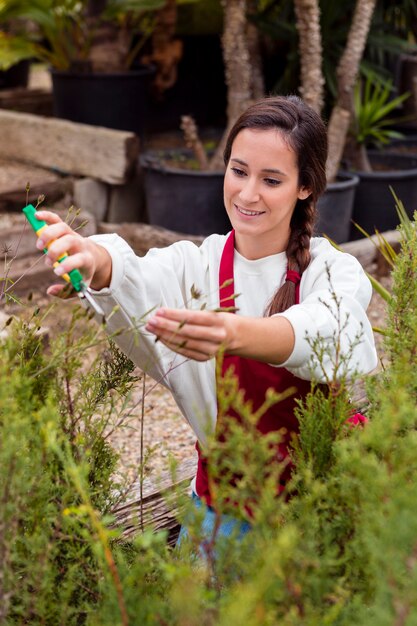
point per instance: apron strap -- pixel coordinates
(294, 277)
(226, 277)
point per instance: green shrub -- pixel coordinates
(48, 426)
(341, 550)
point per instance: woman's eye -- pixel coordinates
(273, 182)
(238, 171)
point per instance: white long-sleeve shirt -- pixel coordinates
(170, 276)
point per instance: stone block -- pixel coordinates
(127, 202)
(92, 196)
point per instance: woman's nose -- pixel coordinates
(249, 191)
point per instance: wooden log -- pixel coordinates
(14, 177)
(156, 510)
(142, 237)
(79, 149)
(367, 251)
(24, 100)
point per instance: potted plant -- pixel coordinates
(343, 111)
(14, 63)
(377, 169)
(398, 19)
(183, 192)
(92, 47)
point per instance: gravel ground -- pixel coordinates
(166, 434)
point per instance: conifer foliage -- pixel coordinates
(339, 549)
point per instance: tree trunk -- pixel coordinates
(359, 160)
(347, 72)
(257, 86)
(309, 35)
(193, 142)
(237, 69)
(337, 132)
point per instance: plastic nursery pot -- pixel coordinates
(335, 208)
(15, 76)
(404, 145)
(118, 100)
(189, 201)
(374, 206)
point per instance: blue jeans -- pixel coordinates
(229, 525)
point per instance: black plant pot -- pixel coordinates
(374, 206)
(15, 76)
(199, 89)
(335, 208)
(118, 100)
(403, 145)
(184, 200)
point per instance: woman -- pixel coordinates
(275, 171)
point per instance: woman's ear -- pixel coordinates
(303, 193)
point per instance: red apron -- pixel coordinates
(255, 378)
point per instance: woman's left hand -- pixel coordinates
(198, 335)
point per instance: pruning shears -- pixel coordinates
(74, 276)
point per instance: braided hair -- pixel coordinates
(306, 135)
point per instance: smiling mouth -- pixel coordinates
(247, 212)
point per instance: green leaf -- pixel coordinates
(373, 102)
(13, 50)
(379, 288)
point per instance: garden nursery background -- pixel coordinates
(114, 113)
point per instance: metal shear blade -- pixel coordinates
(85, 293)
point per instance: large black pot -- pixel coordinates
(374, 206)
(118, 100)
(199, 89)
(335, 208)
(403, 145)
(15, 76)
(184, 200)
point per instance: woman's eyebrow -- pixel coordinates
(267, 169)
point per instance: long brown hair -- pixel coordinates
(306, 134)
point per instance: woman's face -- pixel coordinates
(260, 191)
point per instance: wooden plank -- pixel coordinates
(78, 149)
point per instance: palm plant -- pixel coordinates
(66, 31)
(372, 123)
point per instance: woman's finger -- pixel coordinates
(67, 243)
(60, 291)
(198, 351)
(53, 232)
(190, 316)
(48, 216)
(185, 330)
(75, 261)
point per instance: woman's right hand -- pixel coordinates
(93, 261)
